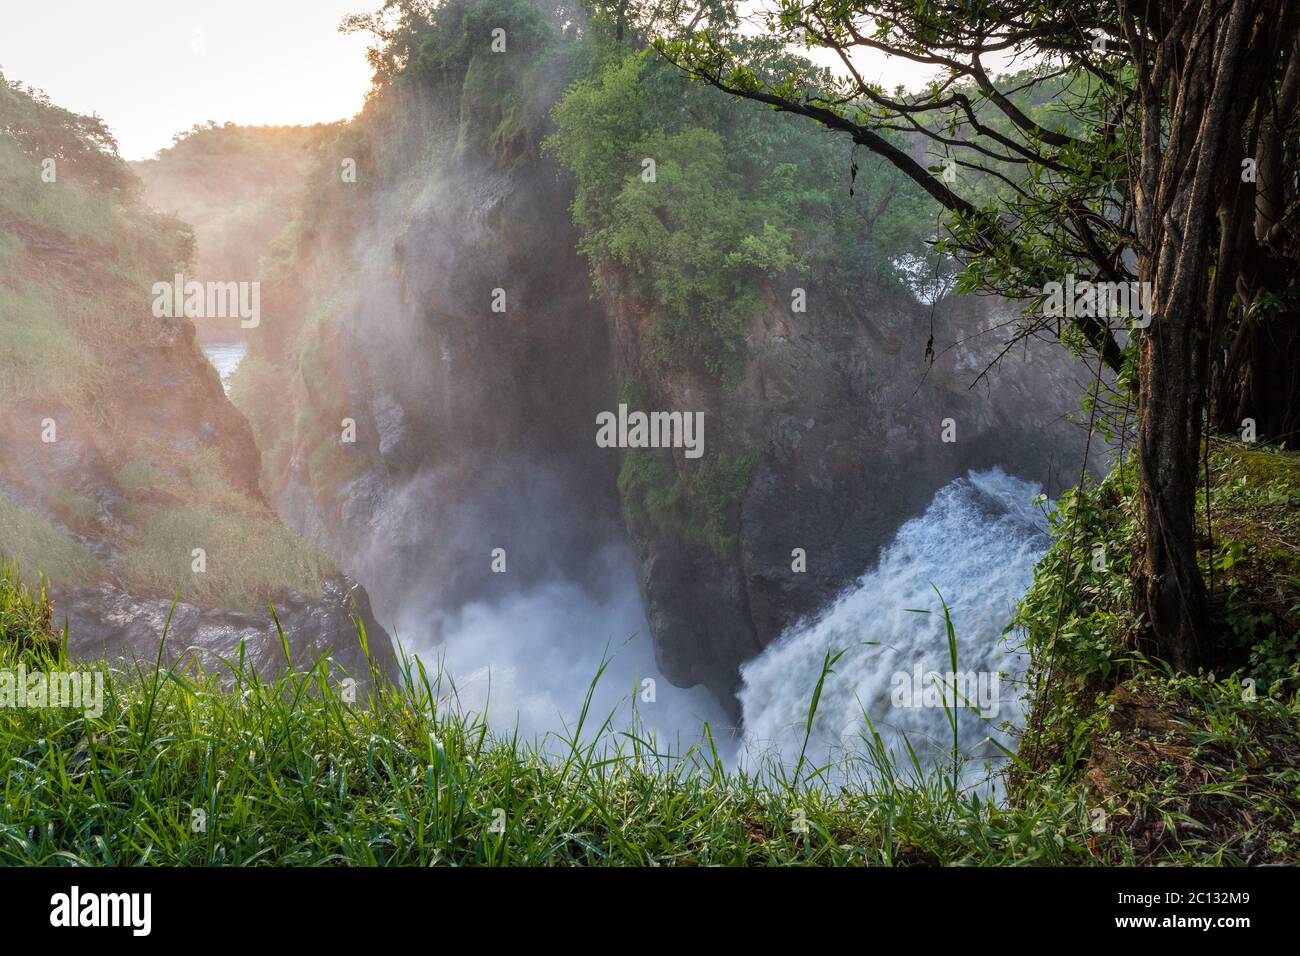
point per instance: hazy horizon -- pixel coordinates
(250, 63)
(277, 63)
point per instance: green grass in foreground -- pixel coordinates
(1186, 768)
(288, 773)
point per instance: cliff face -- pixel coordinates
(473, 424)
(845, 419)
(121, 459)
(445, 311)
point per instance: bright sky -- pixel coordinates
(152, 68)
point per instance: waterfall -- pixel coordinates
(527, 661)
(977, 543)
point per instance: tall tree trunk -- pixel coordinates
(1257, 371)
(1196, 89)
(1170, 591)
(1271, 386)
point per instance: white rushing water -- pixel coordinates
(225, 358)
(977, 543)
(527, 662)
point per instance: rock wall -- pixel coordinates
(476, 428)
(847, 417)
(119, 451)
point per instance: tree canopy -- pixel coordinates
(1165, 155)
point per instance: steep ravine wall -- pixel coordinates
(473, 426)
(120, 455)
(439, 303)
(166, 407)
(846, 417)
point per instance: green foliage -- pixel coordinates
(461, 30)
(82, 147)
(1103, 715)
(739, 199)
(715, 489)
(499, 103)
(695, 244)
(236, 185)
(1036, 166)
(93, 202)
(1187, 769)
(1255, 564)
(418, 40)
(24, 616)
(1087, 572)
(439, 91)
(76, 210)
(445, 49)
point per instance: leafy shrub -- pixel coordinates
(740, 198)
(24, 616)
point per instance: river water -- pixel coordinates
(528, 660)
(977, 543)
(225, 358)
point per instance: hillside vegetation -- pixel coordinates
(121, 453)
(236, 186)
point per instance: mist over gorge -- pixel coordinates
(460, 287)
(489, 379)
(433, 292)
(624, 433)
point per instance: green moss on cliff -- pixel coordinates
(702, 507)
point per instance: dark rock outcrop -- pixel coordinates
(106, 622)
(847, 417)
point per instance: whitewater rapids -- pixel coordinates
(977, 543)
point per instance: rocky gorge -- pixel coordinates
(128, 480)
(441, 331)
(441, 303)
